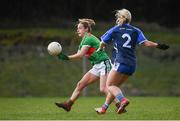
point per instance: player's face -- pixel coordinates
(81, 30)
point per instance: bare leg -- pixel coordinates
(103, 87)
(115, 79)
(87, 79)
(109, 98)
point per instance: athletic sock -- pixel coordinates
(106, 105)
(120, 96)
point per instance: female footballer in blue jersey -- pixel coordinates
(125, 37)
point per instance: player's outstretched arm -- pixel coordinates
(157, 45)
(80, 53)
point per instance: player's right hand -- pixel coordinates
(62, 56)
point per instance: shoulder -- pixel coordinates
(112, 29)
(92, 37)
(135, 28)
(89, 39)
(86, 37)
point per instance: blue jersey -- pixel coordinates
(124, 37)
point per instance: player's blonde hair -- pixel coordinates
(87, 23)
(123, 13)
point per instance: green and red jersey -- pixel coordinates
(93, 43)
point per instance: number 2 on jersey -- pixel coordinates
(126, 44)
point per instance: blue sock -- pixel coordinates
(120, 96)
(105, 105)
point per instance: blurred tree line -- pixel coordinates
(163, 12)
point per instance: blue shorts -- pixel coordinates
(123, 68)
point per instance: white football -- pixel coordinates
(54, 48)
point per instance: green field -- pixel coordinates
(158, 108)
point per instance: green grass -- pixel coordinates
(166, 108)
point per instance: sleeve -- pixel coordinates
(107, 37)
(141, 38)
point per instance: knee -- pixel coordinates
(103, 90)
(109, 86)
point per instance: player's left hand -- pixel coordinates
(162, 46)
(62, 56)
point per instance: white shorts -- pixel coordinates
(101, 68)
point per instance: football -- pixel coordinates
(54, 48)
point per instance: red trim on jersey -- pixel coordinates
(90, 51)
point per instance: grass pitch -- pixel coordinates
(158, 108)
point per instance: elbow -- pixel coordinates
(146, 43)
(79, 55)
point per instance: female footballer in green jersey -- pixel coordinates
(99, 59)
